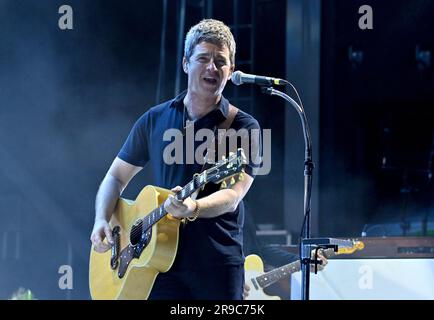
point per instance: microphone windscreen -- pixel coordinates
(236, 78)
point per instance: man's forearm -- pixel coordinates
(218, 203)
(107, 197)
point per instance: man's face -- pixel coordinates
(208, 70)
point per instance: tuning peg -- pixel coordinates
(233, 181)
(241, 177)
(223, 185)
(243, 155)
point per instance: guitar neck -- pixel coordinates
(157, 214)
(275, 275)
(283, 272)
(220, 171)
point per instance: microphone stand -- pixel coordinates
(305, 254)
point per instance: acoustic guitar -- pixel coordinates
(146, 236)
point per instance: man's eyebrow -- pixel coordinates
(221, 56)
(207, 54)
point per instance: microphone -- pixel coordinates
(238, 78)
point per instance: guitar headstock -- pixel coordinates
(227, 168)
(357, 245)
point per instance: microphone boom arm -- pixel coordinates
(305, 257)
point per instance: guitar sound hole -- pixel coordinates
(136, 233)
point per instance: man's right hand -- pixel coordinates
(101, 230)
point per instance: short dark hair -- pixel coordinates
(212, 31)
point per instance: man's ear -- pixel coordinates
(231, 71)
(185, 65)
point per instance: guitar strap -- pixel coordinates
(232, 112)
(210, 157)
(219, 133)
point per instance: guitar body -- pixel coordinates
(254, 267)
(157, 256)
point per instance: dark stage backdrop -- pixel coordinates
(377, 119)
(68, 99)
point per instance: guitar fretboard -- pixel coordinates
(157, 214)
(275, 275)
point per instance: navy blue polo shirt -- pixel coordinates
(204, 242)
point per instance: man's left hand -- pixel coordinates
(177, 208)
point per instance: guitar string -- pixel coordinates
(290, 268)
(139, 230)
(277, 273)
(188, 189)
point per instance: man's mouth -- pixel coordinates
(210, 80)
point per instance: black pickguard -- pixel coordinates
(133, 252)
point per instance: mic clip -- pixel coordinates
(267, 90)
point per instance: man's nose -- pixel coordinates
(211, 65)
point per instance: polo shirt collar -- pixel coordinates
(223, 105)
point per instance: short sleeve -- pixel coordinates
(135, 149)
